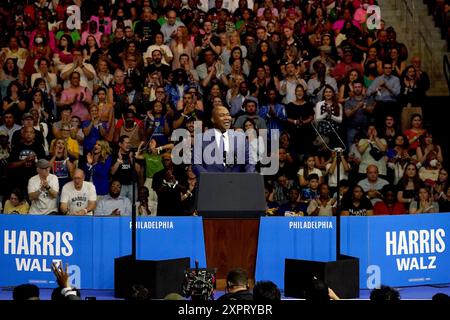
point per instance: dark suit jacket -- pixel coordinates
(206, 160)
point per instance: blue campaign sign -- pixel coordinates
(401, 250)
(110, 242)
(157, 238)
(31, 243)
(411, 249)
(89, 245)
(170, 238)
(306, 238)
(354, 232)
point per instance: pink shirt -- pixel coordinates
(338, 25)
(86, 34)
(107, 25)
(78, 108)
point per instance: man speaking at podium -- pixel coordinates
(223, 150)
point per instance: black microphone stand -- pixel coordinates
(133, 212)
(339, 150)
(338, 200)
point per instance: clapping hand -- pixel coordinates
(189, 108)
(44, 184)
(90, 158)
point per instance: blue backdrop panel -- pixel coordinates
(30, 244)
(306, 238)
(354, 232)
(411, 249)
(90, 245)
(111, 241)
(161, 238)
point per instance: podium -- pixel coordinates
(231, 204)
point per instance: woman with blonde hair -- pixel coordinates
(180, 45)
(61, 164)
(233, 40)
(233, 84)
(103, 77)
(98, 166)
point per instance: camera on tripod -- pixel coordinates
(199, 284)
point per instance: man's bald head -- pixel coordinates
(78, 178)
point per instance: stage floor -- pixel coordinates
(406, 293)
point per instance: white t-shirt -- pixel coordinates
(45, 204)
(84, 81)
(332, 178)
(78, 199)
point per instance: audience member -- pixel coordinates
(384, 293)
(25, 292)
(389, 205)
(113, 204)
(237, 288)
(43, 189)
(266, 292)
(78, 197)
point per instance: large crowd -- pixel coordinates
(89, 107)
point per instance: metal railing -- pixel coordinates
(419, 35)
(446, 64)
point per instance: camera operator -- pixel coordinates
(237, 287)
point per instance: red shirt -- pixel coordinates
(380, 208)
(121, 122)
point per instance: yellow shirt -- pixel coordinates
(20, 209)
(72, 146)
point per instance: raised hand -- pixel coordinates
(90, 158)
(62, 275)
